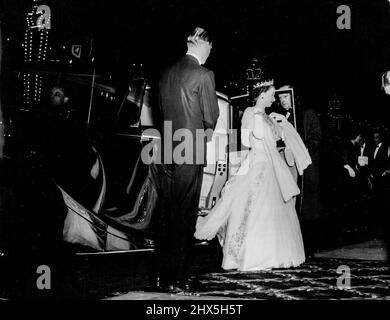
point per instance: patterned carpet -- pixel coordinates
(316, 279)
(126, 276)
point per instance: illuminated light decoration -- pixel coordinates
(335, 113)
(76, 50)
(254, 71)
(36, 43)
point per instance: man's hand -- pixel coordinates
(202, 212)
(352, 173)
(370, 184)
(386, 173)
(279, 118)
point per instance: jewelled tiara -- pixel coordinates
(263, 84)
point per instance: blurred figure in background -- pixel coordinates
(364, 185)
(311, 210)
(65, 151)
(347, 191)
(363, 161)
(378, 174)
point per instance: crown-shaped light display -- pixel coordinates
(254, 72)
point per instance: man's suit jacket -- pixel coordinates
(309, 126)
(348, 155)
(311, 133)
(380, 163)
(367, 152)
(188, 99)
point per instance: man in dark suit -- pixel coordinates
(189, 105)
(379, 157)
(364, 158)
(307, 123)
(346, 190)
(285, 108)
(378, 167)
(386, 203)
(310, 214)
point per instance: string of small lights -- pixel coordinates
(36, 41)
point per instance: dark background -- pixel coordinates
(298, 40)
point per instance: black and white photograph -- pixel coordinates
(213, 151)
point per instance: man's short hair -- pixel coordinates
(199, 34)
(285, 87)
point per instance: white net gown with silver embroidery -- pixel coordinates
(256, 227)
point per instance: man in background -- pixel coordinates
(378, 168)
(311, 211)
(285, 108)
(307, 123)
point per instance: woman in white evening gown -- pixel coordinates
(255, 219)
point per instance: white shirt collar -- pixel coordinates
(195, 56)
(377, 150)
(362, 149)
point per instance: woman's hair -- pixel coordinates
(260, 87)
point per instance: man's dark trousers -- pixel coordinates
(179, 188)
